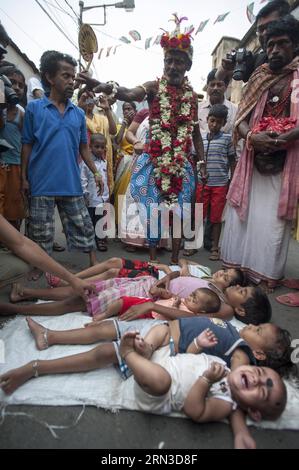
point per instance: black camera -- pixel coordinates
(9, 93)
(242, 59)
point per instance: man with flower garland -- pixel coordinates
(164, 173)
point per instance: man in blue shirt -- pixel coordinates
(54, 135)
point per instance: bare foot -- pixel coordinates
(127, 343)
(143, 348)
(16, 293)
(39, 333)
(35, 274)
(14, 378)
(266, 287)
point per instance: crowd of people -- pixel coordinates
(171, 157)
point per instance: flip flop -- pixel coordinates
(290, 283)
(215, 256)
(189, 252)
(291, 299)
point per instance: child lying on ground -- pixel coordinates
(121, 267)
(201, 386)
(267, 345)
(182, 383)
(250, 305)
(201, 302)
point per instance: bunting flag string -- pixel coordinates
(221, 17)
(202, 26)
(155, 40)
(135, 35)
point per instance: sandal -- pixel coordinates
(189, 252)
(215, 256)
(290, 283)
(102, 246)
(130, 248)
(290, 300)
(57, 247)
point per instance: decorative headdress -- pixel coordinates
(177, 40)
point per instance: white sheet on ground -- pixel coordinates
(102, 388)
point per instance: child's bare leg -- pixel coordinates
(157, 337)
(94, 272)
(153, 378)
(101, 356)
(216, 231)
(45, 337)
(112, 310)
(71, 304)
(163, 267)
(19, 293)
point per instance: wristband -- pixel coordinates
(196, 343)
(206, 380)
(97, 174)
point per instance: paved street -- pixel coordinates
(100, 429)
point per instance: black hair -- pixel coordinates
(257, 308)
(241, 278)
(212, 76)
(132, 103)
(288, 26)
(10, 70)
(81, 91)
(280, 6)
(4, 38)
(97, 136)
(213, 303)
(49, 64)
(279, 356)
(218, 111)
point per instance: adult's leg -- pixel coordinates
(99, 357)
(71, 304)
(41, 226)
(44, 337)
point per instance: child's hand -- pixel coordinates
(206, 339)
(184, 271)
(216, 372)
(160, 292)
(243, 440)
(176, 302)
(99, 182)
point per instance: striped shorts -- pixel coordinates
(75, 219)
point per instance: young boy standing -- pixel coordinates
(219, 158)
(93, 200)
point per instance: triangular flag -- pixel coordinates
(158, 39)
(108, 51)
(125, 40)
(221, 17)
(201, 26)
(249, 13)
(100, 53)
(114, 50)
(135, 35)
(189, 29)
(148, 43)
